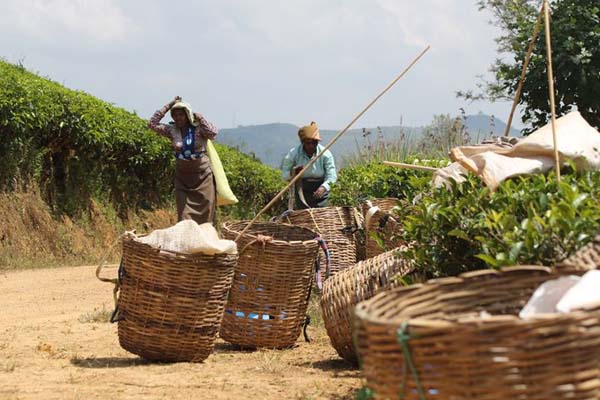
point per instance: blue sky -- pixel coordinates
(260, 61)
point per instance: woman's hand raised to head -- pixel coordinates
(175, 100)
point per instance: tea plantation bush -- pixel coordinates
(375, 180)
(528, 220)
(75, 147)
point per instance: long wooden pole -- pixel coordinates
(335, 138)
(536, 32)
(409, 166)
(551, 86)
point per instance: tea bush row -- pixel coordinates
(530, 220)
(75, 147)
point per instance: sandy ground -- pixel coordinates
(49, 349)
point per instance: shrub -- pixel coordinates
(529, 220)
(375, 180)
(253, 183)
(75, 147)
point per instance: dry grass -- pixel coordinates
(32, 237)
(96, 315)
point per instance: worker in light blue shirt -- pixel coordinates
(312, 190)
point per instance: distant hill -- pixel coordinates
(270, 142)
(485, 125)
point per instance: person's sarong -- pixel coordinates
(195, 190)
(308, 187)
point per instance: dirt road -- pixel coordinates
(50, 348)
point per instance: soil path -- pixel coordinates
(50, 349)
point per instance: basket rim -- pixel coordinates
(317, 209)
(227, 225)
(362, 312)
(172, 253)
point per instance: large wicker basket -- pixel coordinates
(346, 289)
(337, 226)
(171, 305)
(461, 338)
(587, 257)
(381, 225)
(270, 292)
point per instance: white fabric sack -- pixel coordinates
(547, 295)
(577, 142)
(454, 171)
(188, 237)
(586, 293)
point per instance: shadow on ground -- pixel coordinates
(332, 365)
(108, 362)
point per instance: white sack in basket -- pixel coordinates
(188, 237)
(585, 293)
(547, 295)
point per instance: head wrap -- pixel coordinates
(309, 132)
(188, 111)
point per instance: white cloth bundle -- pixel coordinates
(577, 142)
(188, 237)
(564, 294)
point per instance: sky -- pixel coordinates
(246, 62)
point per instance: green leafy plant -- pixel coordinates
(575, 52)
(375, 180)
(529, 220)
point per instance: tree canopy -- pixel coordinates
(575, 34)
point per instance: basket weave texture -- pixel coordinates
(587, 257)
(346, 289)
(460, 353)
(381, 224)
(335, 225)
(171, 305)
(272, 282)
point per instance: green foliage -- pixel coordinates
(575, 30)
(530, 220)
(75, 147)
(375, 180)
(253, 183)
(364, 393)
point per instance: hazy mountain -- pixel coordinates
(270, 142)
(485, 125)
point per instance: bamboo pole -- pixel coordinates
(410, 166)
(335, 138)
(536, 32)
(551, 85)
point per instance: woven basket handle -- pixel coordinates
(102, 263)
(115, 281)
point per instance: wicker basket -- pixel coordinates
(464, 339)
(171, 305)
(346, 289)
(382, 225)
(587, 257)
(337, 226)
(269, 296)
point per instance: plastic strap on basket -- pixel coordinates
(384, 220)
(323, 246)
(403, 338)
(350, 229)
(116, 315)
(282, 216)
